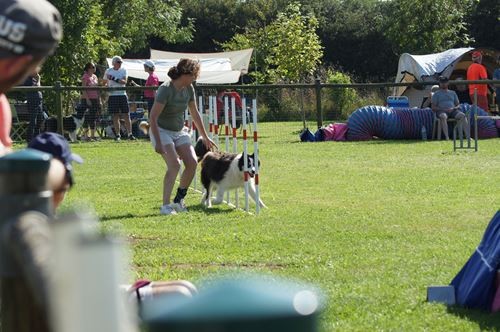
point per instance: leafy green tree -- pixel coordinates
(217, 21)
(343, 99)
(95, 30)
(295, 48)
(484, 22)
(352, 32)
(288, 49)
(427, 26)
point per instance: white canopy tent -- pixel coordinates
(216, 68)
(240, 60)
(452, 63)
(212, 70)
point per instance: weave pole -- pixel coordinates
(226, 132)
(235, 141)
(246, 126)
(194, 134)
(210, 117)
(215, 118)
(245, 151)
(475, 120)
(256, 155)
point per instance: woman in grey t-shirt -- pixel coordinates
(169, 136)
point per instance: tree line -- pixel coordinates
(292, 40)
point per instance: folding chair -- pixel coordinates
(436, 128)
(19, 128)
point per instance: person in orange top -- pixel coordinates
(477, 71)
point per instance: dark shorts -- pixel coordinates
(150, 102)
(91, 115)
(118, 105)
(451, 115)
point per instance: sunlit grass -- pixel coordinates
(370, 223)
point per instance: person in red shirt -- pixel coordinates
(153, 80)
(220, 105)
(90, 100)
(477, 71)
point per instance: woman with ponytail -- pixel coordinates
(168, 135)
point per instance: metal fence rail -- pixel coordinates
(311, 104)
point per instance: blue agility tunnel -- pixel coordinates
(383, 122)
(475, 283)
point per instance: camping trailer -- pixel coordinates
(452, 63)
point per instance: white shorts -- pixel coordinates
(177, 138)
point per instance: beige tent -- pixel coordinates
(452, 63)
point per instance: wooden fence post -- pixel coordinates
(59, 107)
(24, 241)
(319, 111)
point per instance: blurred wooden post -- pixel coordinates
(24, 241)
(319, 112)
(59, 111)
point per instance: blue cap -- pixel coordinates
(58, 147)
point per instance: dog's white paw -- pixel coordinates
(217, 201)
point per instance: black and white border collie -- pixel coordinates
(71, 124)
(224, 171)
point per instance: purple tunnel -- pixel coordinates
(383, 122)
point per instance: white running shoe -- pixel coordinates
(168, 209)
(180, 207)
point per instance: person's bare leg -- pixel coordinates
(173, 166)
(128, 123)
(116, 124)
(188, 157)
(182, 287)
(444, 125)
(466, 128)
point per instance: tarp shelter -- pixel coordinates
(452, 63)
(216, 68)
(240, 60)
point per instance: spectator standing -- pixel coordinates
(34, 104)
(446, 105)
(116, 76)
(168, 135)
(477, 71)
(20, 55)
(496, 76)
(90, 98)
(153, 80)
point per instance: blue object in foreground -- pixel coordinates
(441, 294)
(475, 283)
(238, 304)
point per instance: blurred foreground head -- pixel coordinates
(60, 176)
(29, 31)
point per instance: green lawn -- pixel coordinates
(372, 224)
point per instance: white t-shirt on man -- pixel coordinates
(112, 74)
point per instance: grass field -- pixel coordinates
(372, 224)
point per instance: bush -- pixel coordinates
(344, 100)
